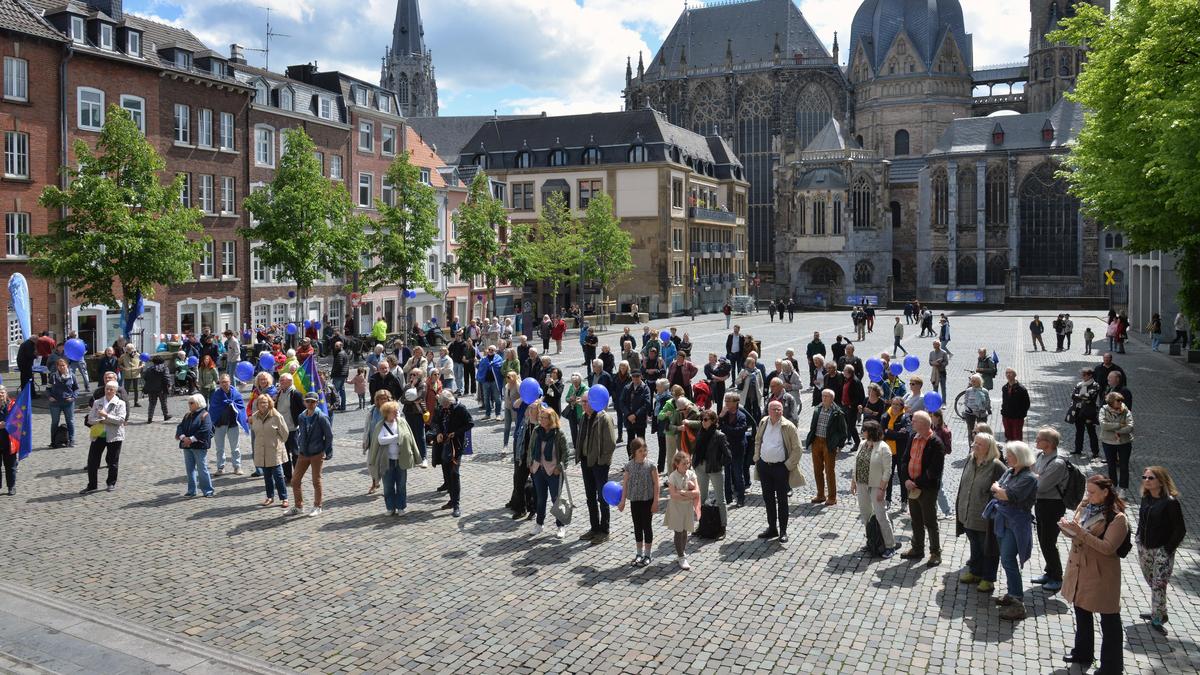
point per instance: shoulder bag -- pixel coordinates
(564, 507)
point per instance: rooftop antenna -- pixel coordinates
(266, 50)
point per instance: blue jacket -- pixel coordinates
(314, 435)
(63, 388)
(196, 425)
(219, 402)
(494, 363)
(735, 428)
(583, 333)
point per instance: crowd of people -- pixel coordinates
(718, 428)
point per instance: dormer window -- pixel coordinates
(183, 59)
(285, 99)
(591, 156)
(1047, 132)
(133, 43)
(385, 102)
(558, 157)
(260, 92)
(997, 135)
(637, 154)
(217, 68)
(360, 96)
(524, 160)
(326, 108)
(106, 37)
(480, 161)
(78, 30)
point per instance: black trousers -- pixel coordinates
(517, 501)
(131, 387)
(1111, 656)
(159, 398)
(1046, 512)
(10, 467)
(112, 457)
(662, 451)
(589, 353)
(290, 446)
(452, 479)
(636, 430)
(1058, 342)
(1117, 458)
(643, 527)
(468, 383)
(594, 478)
(774, 479)
(1090, 427)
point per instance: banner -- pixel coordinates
(18, 290)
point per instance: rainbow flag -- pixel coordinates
(19, 424)
(306, 379)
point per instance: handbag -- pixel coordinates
(1071, 413)
(564, 506)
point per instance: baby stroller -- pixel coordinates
(184, 381)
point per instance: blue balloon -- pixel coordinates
(245, 370)
(530, 390)
(291, 294)
(291, 329)
(896, 369)
(665, 335)
(612, 492)
(875, 375)
(144, 357)
(874, 365)
(911, 363)
(933, 400)
(317, 325)
(307, 323)
(192, 361)
(266, 361)
(75, 349)
(598, 397)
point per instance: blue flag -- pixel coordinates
(19, 424)
(310, 378)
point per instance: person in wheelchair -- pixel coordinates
(185, 376)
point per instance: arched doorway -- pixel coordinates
(822, 279)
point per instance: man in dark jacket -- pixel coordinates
(1100, 372)
(156, 384)
(384, 378)
(314, 447)
(594, 455)
(814, 348)
(736, 349)
(838, 349)
(735, 424)
(339, 370)
(636, 405)
(1114, 385)
(921, 467)
(850, 397)
(1014, 406)
(848, 358)
(826, 435)
(451, 422)
(1036, 330)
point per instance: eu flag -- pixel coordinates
(310, 379)
(19, 423)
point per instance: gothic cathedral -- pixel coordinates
(408, 65)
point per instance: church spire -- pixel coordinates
(408, 65)
(408, 36)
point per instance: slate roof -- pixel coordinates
(822, 179)
(703, 35)
(904, 171)
(408, 35)
(1021, 132)
(878, 22)
(18, 16)
(829, 138)
(1005, 72)
(302, 91)
(448, 135)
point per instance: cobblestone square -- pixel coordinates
(356, 590)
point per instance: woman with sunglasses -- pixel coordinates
(1160, 531)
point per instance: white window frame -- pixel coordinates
(291, 99)
(259, 272)
(228, 195)
(139, 113)
(360, 96)
(384, 102)
(183, 124)
(92, 106)
(264, 142)
(204, 128)
(426, 176)
(433, 265)
(15, 225)
(183, 59)
(78, 30)
(262, 314)
(227, 132)
(387, 192)
(387, 144)
(185, 195)
(369, 188)
(133, 43)
(335, 167)
(366, 127)
(255, 187)
(208, 261)
(106, 37)
(229, 259)
(16, 79)
(207, 198)
(325, 109)
(16, 154)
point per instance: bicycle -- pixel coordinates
(960, 401)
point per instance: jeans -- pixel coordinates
(899, 346)
(491, 398)
(594, 478)
(980, 563)
(546, 485)
(774, 479)
(923, 512)
(416, 423)
(1046, 513)
(273, 477)
(1090, 427)
(1011, 564)
(728, 320)
(1155, 341)
(151, 399)
(231, 433)
(195, 462)
(459, 377)
(716, 480)
(1111, 640)
(80, 370)
(339, 385)
(509, 413)
(67, 408)
(1117, 458)
(735, 486)
(395, 487)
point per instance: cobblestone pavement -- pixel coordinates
(354, 590)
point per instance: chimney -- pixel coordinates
(110, 7)
(237, 54)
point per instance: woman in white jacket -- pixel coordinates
(1116, 437)
(872, 469)
(107, 419)
(393, 452)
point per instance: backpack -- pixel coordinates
(875, 545)
(60, 437)
(709, 526)
(1072, 492)
(1127, 545)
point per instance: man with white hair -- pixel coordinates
(452, 423)
(289, 402)
(777, 453)
(826, 436)
(921, 465)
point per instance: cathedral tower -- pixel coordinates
(1053, 66)
(408, 65)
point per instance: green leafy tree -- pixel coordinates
(478, 245)
(124, 232)
(1136, 165)
(519, 263)
(559, 244)
(607, 249)
(403, 235)
(304, 222)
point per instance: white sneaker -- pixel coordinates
(391, 512)
(399, 512)
(315, 512)
(683, 564)
(562, 532)
(537, 529)
(425, 464)
(293, 511)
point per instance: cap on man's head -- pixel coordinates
(312, 396)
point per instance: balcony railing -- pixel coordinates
(713, 215)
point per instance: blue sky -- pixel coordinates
(557, 56)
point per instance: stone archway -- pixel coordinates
(823, 277)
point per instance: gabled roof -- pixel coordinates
(302, 91)
(448, 135)
(748, 29)
(822, 179)
(1021, 132)
(18, 16)
(420, 154)
(829, 138)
